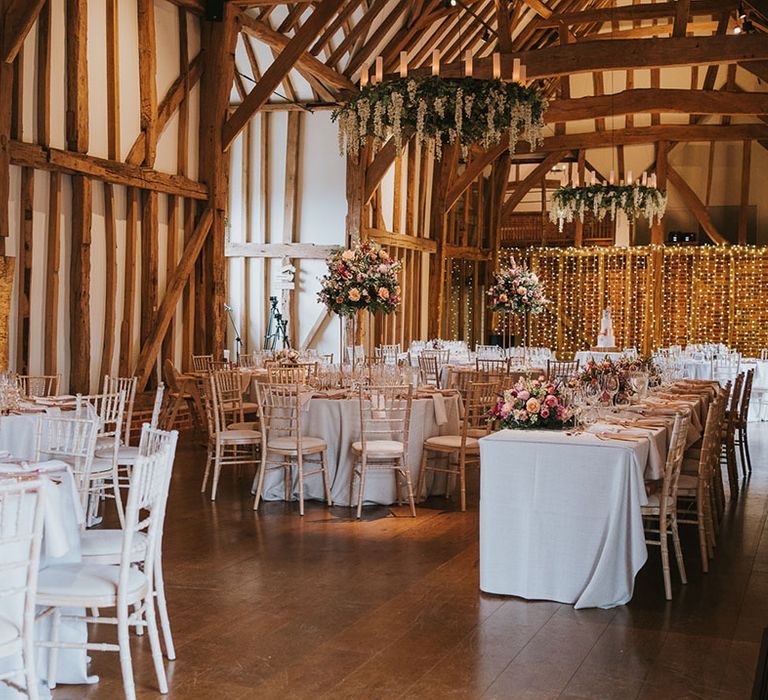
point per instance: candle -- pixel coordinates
(516, 70)
(611, 177)
(594, 178)
(629, 177)
(435, 61)
(379, 69)
(468, 63)
(364, 76)
(403, 64)
(522, 74)
(645, 178)
(496, 66)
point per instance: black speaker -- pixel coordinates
(214, 10)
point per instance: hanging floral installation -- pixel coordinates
(441, 111)
(363, 277)
(635, 200)
(517, 290)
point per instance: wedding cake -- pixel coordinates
(605, 339)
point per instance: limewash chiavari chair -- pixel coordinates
(127, 584)
(385, 423)
(21, 533)
(104, 546)
(229, 388)
(561, 371)
(299, 373)
(282, 442)
(72, 440)
(741, 423)
(694, 502)
(226, 447)
(110, 410)
(662, 506)
(480, 397)
(201, 363)
(114, 385)
(39, 385)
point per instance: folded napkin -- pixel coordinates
(441, 415)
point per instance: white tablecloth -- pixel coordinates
(17, 434)
(338, 423)
(61, 545)
(560, 517)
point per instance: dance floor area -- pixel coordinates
(273, 605)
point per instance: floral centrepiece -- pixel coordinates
(532, 403)
(517, 290)
(593, 372)
(363, 277)
(569, 202)
(442, 110)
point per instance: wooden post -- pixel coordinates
(578, 240)
(657, 227)
(746, 158)
(52, 274)
(24, 269)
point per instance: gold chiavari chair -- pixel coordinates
(460, 451)
(429, 370)
(385, 422)
(299, 373)
(201, 363)
(488, 364)
(229, 388)
(662, 506)
(246, 360)
(729, 435)
(694, 503)
(741, 422)
(38, 385)
(226, 447)
(561, 371)
(283, 444)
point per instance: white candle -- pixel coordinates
(403, 64)
(645, 178)
(516, 70)
(522, 74)
(611, 177)
(496, 66)
(435, 61)
(594, 178)
(468, 63)
(629, 177)
(379, 69)
(364, 77)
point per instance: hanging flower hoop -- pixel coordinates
(635, 201)
(363, 277)
(517, 290)
(441, 111)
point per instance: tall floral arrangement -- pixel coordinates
(517, 290)
(595, 371)
(569, 202)
(362, 277)
(532, 403)
(441, 111)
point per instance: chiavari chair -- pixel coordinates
(299, 373)
(694, 502)
(21, 534)
(177, 398)
(246, 361)
(729, 435)
(113, 385)
(120, 587)
(283, 444)
(201, 363)
(661, 509)
(459, 451)
(561, 371)
(388, 354)
(229, 387)
(726, 368)
(226, 447)
(40, 385)
(742, 421)
(73, 441)
(488, 351)
(429, 369)
(485, 364)
(104, 546)
(764, 354)
(385, 422)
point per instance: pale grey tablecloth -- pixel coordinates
(61, 545)
(560, 517)
(338, 423)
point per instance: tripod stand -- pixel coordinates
(276, 327)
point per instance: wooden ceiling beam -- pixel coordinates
(635, 12)
(20, 15)
(534, 177)
(696, 206)
(196, 6)
(658, 101)
(264, 33)
(539, 8)
(281, 66)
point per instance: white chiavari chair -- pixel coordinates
(359, 353)
(21, 531)
(114, 385)
(726, 368)
(72, 440)
(764, 354)
(226, 447)
(388, 353)
(457, 452)
(385, 421)
(201, 363)
(38, 385)
(121, 587)
(660, 515)
(104, 546)
(283, 444)
(110, 411)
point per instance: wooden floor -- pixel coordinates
(277, 606)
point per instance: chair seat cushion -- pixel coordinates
(239, 436)
(101, 467)
(308, 444)
(125, 455)
(245, 425)
(451, 442)
(107, 545)
(8, 631)
(688, 482)
(87, 585)
(654, 502)
(380, 448)
(250, 407)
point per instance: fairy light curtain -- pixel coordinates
(660, 296)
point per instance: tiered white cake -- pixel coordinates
(606, 339)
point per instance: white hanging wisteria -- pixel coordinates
(569, 202)
(441, 111)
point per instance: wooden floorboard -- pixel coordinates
(271, 605)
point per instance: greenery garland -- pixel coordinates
(442, 110)
(635, 200)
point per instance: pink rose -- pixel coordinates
(544, 413)
(551, 401)
(532, 406)
(523, 395)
